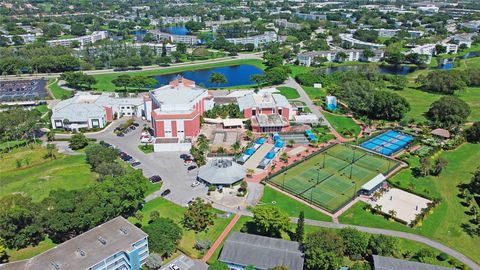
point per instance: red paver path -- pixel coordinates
(222, 236)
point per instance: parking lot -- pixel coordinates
(185, 263)
(167, 165)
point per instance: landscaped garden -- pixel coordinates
(343, 124)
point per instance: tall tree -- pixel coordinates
(163, 235)
(356, 242)
(382, 245)
(270, 220)
(448, 112)
(473, 133)
(323, 250)
(300, 230)
(217, 78)
(198, 216)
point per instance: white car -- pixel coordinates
(196, 183)
(174, 267)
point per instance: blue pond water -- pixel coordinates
(177, 30)
(236, 76)
(448, 63)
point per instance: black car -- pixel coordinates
(184, 156)
(193, 167)
(136, 124)
(155, 179)
(165, 192)
(120, 134)
(135, 164)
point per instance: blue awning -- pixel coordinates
(309, 132)
(249, 151)
(277, 137)
(260, 140)
(270, 155)
(279, 144)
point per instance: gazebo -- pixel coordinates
(221, 172)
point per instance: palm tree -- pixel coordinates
(202, 142)
(217, 78)
(235, 147)
(221, 150)
(249, 135)
(291, 142)
(284, 157)
(250, 172)
(392, 213)
(377, 208)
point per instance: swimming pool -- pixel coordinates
(388, 142)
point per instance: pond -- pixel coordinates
(236, 76)
(391, 70)
(177, 30)
(448, 63)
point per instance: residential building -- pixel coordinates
(85, 110)
(349, 41)
(256, 40)
(180, 19)
(465, 38)
(156, 47)
(428, 9)
(242, 250)
(161, 36)
(27, 38)
(286, 24)
(268, 112)
(308, 58)
(429, 49)
(389, 33)
(223, 22)
(174, 111)
(385, 263)
(472, 25)
(83, 40)
(115, 245)
(311, 16)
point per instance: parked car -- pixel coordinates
(136, 124)
(184, 156)
(136, 164)
(174, 267)
(188, 162)
(120, 134)
(155, 179)
(165, 192)
(196, 183)
(193, 167)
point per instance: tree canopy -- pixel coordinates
(448, 112)
(270, 220)
(163, 234)
(198, 216)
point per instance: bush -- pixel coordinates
(78, 141)
(442, 257)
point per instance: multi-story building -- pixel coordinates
(83, 40)
(389, 33)
(286, 24)
(187, 39)
(349, 41)
(27, 38)
(471, 25)
(308, 58)
(311, 16)
(180, 19)
(115, 245)
(86, 110)
(220, 22)
(156, 47)
(175, 110)
(268, 112)
(256, 40)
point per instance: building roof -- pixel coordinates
(384, 263)
(441, 133)
(87, 249)
(178, 95)
(261, 252)
(269, 120)
(265, 100)
(222, 172)
(374, 182)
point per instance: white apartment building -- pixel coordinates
(348, 40)
(393, 32)
(308, 58)
(83, 40)
(157, 47)
(187, 39)
(256, 40)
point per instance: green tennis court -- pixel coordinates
(332, 178)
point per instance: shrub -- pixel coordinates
(442, 257)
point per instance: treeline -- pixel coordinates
(363, 92)
(67, 213)
(19, 124)
(447, 82)
(35, 58)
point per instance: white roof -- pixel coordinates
(222, 171)
(374, 182)
(265, 100)
(179, 94)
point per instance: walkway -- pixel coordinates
(220, 239)
(410, 236)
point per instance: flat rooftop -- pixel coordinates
(85, 250)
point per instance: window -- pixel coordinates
(254, 112)
(58, 123)
(95, 123)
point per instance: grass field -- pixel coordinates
(445, 223)
(329, 179)
(37, 176)
(104, 81)
(288, 92)
(175, 212)
(342, 123)
(57, 91)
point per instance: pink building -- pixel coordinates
(175, 110)
(268, 112)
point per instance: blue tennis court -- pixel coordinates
(388, 142)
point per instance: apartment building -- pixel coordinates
(115, 245)
(286, 24)
(83, 40)
(349, 41)
(256, 40)
(308, 58)
(389, 33)
(187, 39)
(311, 16)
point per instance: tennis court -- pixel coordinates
(331, 178)
(388, 142)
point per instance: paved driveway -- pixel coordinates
(186, 263)
(167, 164)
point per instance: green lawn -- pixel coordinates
(341, 123)
(38, 176)
(288, 92)
(104, 81)
(57, 91)
(444, 224)
(42, 108)
(291, 206)
(175, 212)
(29, 252)
(315, 93)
